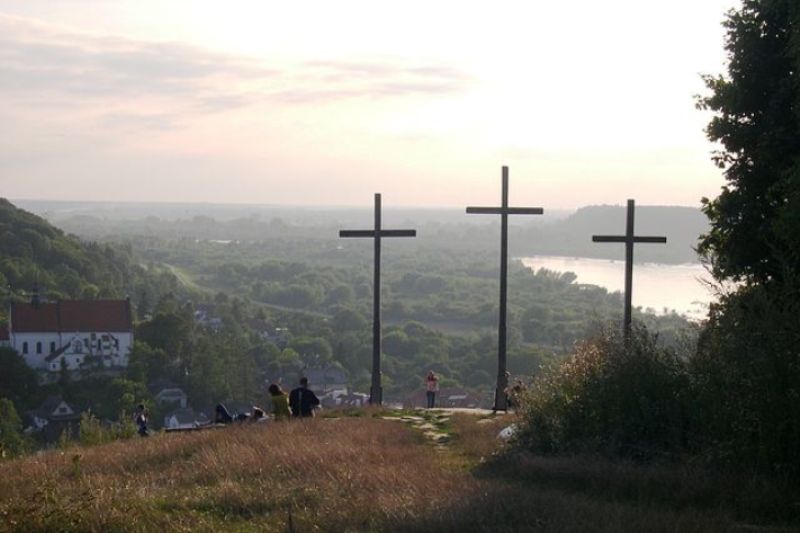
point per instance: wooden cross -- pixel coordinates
(376, 391)
(629, 239)
(500, 400)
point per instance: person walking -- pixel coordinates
(431, 388)
(140, 418)
(303, 401)
(280, 402)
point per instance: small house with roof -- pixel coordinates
(52, 418)
(172, 396)
(71, 333)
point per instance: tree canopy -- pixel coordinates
(755, 221)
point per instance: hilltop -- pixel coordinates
(371, 472)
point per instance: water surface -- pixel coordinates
(657, 286)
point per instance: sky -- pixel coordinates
(328, 102)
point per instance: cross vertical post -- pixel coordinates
(500, 400)
(629, 239)
(376, 390)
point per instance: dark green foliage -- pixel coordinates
(605, 398)
(747, 369)
(17, 379)
(754, 221)
(747, 375)
(12, 441)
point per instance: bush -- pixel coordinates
(605, 398)
(93, 431)
(747, 379)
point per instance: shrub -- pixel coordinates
(611, 399)
(747, 379)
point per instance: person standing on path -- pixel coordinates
(432, 387)
(303, 401)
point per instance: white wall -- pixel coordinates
(35, 360)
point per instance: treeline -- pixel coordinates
(448, 229)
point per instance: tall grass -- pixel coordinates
(338, 475)
(330, 474)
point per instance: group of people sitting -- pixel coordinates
(301, 402)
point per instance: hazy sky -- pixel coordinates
(327, 102)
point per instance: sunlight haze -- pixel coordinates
(328, 102)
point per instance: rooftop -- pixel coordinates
(71, 316)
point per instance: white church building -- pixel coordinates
(74, 334)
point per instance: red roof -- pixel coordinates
(72, 315)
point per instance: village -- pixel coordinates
(94, 337)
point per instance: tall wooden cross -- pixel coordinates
(376, 391)
(500, 400)
(629, 239)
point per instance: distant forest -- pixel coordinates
(558, 233)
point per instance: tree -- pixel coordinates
(746, 369)
(12, 442)
(17, 379)
(755, 221)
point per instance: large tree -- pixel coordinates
(755, 221)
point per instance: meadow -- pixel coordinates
(369, 472)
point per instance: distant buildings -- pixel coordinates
(184, 418)
(71, 334)
(446, 397)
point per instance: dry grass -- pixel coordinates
(345, 474)
(338, 474)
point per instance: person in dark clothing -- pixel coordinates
(302, 400)
(140, 418)
(221, 415)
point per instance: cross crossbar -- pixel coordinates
(505, 211)
(623, 238)
(382, 233)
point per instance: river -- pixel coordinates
(656, 286)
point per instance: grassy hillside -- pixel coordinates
(361, 473)
(33, 252)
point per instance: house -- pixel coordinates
(172, 396)
(280, 337)
(71, 334)
(184, 417)
(52, 418)
(204, 317)
(343, 398)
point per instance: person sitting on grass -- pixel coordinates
(303, 401)
(221, 415)
(257, 414)
(280, 402)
